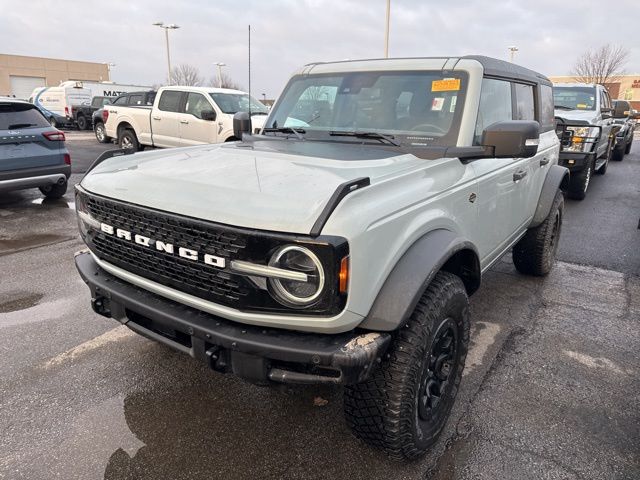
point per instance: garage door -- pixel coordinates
(22, 87)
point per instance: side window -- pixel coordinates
(120, 101)
(170, 101)
(196, 103)
(495, 105)
(525, 107)
(547, 114)
(135, 100)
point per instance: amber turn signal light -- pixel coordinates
(343, 276)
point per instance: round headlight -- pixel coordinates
(297, 259)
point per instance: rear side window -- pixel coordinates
(170, 101)
(547, 118)
(150, 98)
(495, 105)
(20, 116)
(135, 100)
(120, 101)
(525, 106)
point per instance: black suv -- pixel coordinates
(133, 98)
(622, 114)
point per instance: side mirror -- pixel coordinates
(241, 124)
(208, 115)
(621, 110)
(512, 139)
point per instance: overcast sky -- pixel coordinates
(286, 34)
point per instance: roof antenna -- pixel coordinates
(249, 71)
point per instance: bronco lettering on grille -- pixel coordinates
(184, 252)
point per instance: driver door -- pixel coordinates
(194, 130)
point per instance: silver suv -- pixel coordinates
(340, 245)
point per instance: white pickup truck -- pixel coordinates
(180, 117)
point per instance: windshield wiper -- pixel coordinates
(296, 131)
(563, 107)
(259, 113)
(21, 125)
(372, 135)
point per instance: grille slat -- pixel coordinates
(196, 278)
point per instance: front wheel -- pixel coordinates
(535, 253)
(404, 405)
(579, 182)
(54, 191)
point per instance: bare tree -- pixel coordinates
(186, 75)
(602, 65)
(227, 82)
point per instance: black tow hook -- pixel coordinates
(102, 306)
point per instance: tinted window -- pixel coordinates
(120, 101)
(170, 101)
(547, 120)
(20, 116)
(495, 105)
(525, 107)
(151, 97)
(135, 100)
(196, 103)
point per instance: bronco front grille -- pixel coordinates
(196, 278)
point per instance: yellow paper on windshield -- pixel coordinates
(581, 105)
(445, 85)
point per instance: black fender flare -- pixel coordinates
(414, 271)
(557, 178)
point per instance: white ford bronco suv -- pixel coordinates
(340, 245)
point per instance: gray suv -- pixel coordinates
(32, 153)
(341, 244)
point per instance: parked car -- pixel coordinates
(181, 116)
(132, 98)
(60, 104)
(84, 113)
(32, 153)
(340, 248)
(585, 123)
(622, 114)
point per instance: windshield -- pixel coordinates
(417, 108)
(575, 98)
(238, 102)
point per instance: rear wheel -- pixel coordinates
(404, 405)
(128, 140)
(618, 154)
(82, 122)
(579, 182)
(535, 253)
(54, 191)
(52, 122)
(628, 149)
(101, 133)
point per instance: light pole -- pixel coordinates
(171, 26)
(109, 67)
(386, 30)
(220, 65)
(264, 96)
(512, 49)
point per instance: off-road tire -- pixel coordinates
(101, 133)
(535, 253)
(82, 122)
(54, 191)
(618, 154)
(627, 150)
(128, 140)
(579, 182)
(388, 410)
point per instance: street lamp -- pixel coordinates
(386, 30)
(264, 96)
(220, 65)
(171, 26)
(513, 49)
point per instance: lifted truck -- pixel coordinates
(340, 245)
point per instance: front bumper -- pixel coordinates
(34, 177)
(575, 161)
(257, 354)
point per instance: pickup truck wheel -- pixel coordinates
(579, 182)
(535, 253)
(628, 149)
(82, 122)
(128, 140)
(404, 405)
(52, 122)
(101, 133)
(54, 191)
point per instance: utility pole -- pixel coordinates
(386, 31)
(109, 67)
(171, 26)
(512, 49)
(220, 65)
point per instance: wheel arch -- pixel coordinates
(557, 178)
(124, 126)
(437, 250)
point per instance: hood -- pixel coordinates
(589, 116)
(268, 185)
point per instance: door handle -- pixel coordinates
(157, 118)
(184, 122)
(544, 161)
(519, 175)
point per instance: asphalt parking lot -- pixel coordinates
(551, 389)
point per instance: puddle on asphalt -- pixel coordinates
(20, 301)
(58, 203)
(39, 240)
